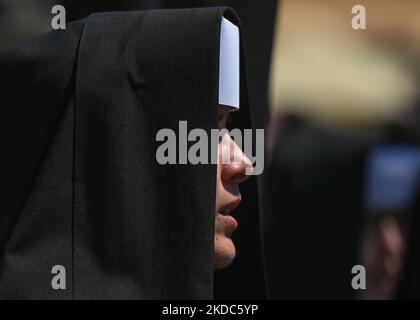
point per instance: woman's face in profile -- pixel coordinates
(228, 197)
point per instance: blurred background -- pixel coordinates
(341, 109)
(341, 187)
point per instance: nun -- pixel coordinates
(81, 192)
(312, 212)
(337, 202)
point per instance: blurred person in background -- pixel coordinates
(312, 205)
(333, 200)
(351, 85)
(392, 175)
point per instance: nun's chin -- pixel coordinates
(224, 251)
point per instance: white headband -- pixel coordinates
(229, 65)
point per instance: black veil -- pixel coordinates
(312, 213)
(80, 185)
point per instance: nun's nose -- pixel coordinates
(239, 167)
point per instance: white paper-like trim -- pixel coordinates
(229, 65)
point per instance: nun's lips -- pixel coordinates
(227, 209)
(229, 222)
